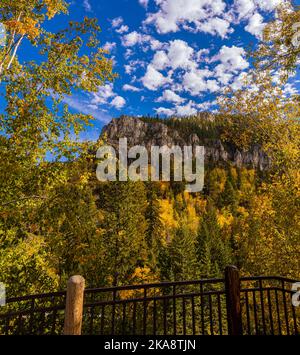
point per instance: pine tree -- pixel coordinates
(123, 205)
(154, 225)
(229, 196)
(212, 251)
(182, 250)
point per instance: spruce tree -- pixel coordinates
(154, 225)
(182, 250)
(123, 205)
(213, 251)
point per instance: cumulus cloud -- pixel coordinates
(164, 111)
(216, 26)
(122, 29)
(109, 46)
(232, 58)
(133, 65)
(256, 25)
(177, 55)
(190, 108)
(153, 79)
(195, 81)
(249, 10)
(160, 60)
(180, 54)
(186, 110)
(193, 15)
(102, 95)
(133, 38)
(170, 96)
(232, 63)
(116, 22)
(268, 5)
(118, 102)
(244, 8)
(128, 87)
(106, 96)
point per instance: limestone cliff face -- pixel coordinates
(148, 134)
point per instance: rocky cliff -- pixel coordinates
(139, 132)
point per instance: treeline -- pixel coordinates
(205, 125)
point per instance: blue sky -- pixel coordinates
(172, 56)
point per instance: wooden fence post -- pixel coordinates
(232, 289)
(74, 305)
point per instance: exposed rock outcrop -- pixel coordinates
(148, 134)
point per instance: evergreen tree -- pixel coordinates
(212, 251)
(154, 225)
(182, 250)
(229, 196)
(123, 205)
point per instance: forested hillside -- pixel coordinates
(57, 219)
(118, 233)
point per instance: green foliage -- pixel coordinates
(123, 206)
(183, 258)
(26, 266)
(213, 249)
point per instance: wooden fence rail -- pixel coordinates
(232, 305)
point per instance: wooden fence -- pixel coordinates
(224, 306)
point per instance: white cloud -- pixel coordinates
(164, 111)
(248, 10)
(116, 22)
(200, 55)
(160, 60)
(233, 58)
(232, 63)
(195, 81)
(216, 26)
(87, 6)
(109, 46)
(180, 54)
(256, 25)
(133, 65)
(212, 85)
(186, 110)
(106, 96)
(268, 5)
(128, 53)
(153, 79)
(193, 15)
(118, 102)
(144, 3)
(170, 96)
(133, 38)
(191, 108)
(244, 8)
(102, 95)
(122, 29)
(207, 105)
(128, 87)
(240, 81)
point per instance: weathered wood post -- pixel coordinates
(232, 289)
(74, 305)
